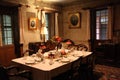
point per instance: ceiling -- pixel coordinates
(64, 2)
(59, 1)
(56, 2)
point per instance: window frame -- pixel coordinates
(5, 39)
(51, 18)
(99, 28)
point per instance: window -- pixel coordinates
(102, 24)
(47, 25)
(6, 29)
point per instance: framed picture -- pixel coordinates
(74, 20)
(33, 23)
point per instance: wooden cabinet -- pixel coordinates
(109, 53)
(7, 53)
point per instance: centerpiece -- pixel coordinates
(57, 40)
(43, 48)
(66, 43)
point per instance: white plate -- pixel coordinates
(77, 53)
(65, 60)
(29, 61)
(37, 59)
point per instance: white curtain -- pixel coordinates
(110, 21)
(43, 29)
(21, 25)
(56, 24)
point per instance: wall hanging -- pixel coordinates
(74, 20)
(33, 23)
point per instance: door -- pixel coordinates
(9, 34)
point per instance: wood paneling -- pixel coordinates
(6, 54)
(117, 17)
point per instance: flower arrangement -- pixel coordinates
(56, 39)
(43, 48)
(68, 42)
(63, 52)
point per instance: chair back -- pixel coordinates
(74, 69)
(50, 45)
(82, 47)
(88, 63)
(68, 40)
(3, 74)
(76, 64)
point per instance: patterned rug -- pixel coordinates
(101, 72)
(107, 72)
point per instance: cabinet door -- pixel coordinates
(7, 53)
(2, 56)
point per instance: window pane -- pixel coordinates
(106, 18)
(97, 25)
(9, 29)
(98, 13)
(46, 16)
(10, 40)
(103, 12)
(5, 34)
(103, 19)
(7, 37)
(97, 30)
(6, 20)
(9, 33)
(98, 19)
(97, 36)
(47, 25)
(5, 41)
(102, 25)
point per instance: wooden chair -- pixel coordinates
(34, 46)
(50, 45)
(86, 68)
(13, 72)
(74, 71)
(29, 51)
(82, 47)
(66, 40)
(68, 45)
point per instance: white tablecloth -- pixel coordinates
(43, 70)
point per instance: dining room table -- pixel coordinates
(50, 64)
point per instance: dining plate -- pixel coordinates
(37, 59)
(29, 61)
(65, 60)
(77, 53)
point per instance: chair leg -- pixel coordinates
(30, 76)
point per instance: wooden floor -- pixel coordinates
(107, 72)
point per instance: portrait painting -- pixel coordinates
(32, 23)
(74, 20)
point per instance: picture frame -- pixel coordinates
(74, 20)
(33, 23)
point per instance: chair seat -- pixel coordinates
(6, 73)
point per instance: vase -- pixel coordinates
(59, 45)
